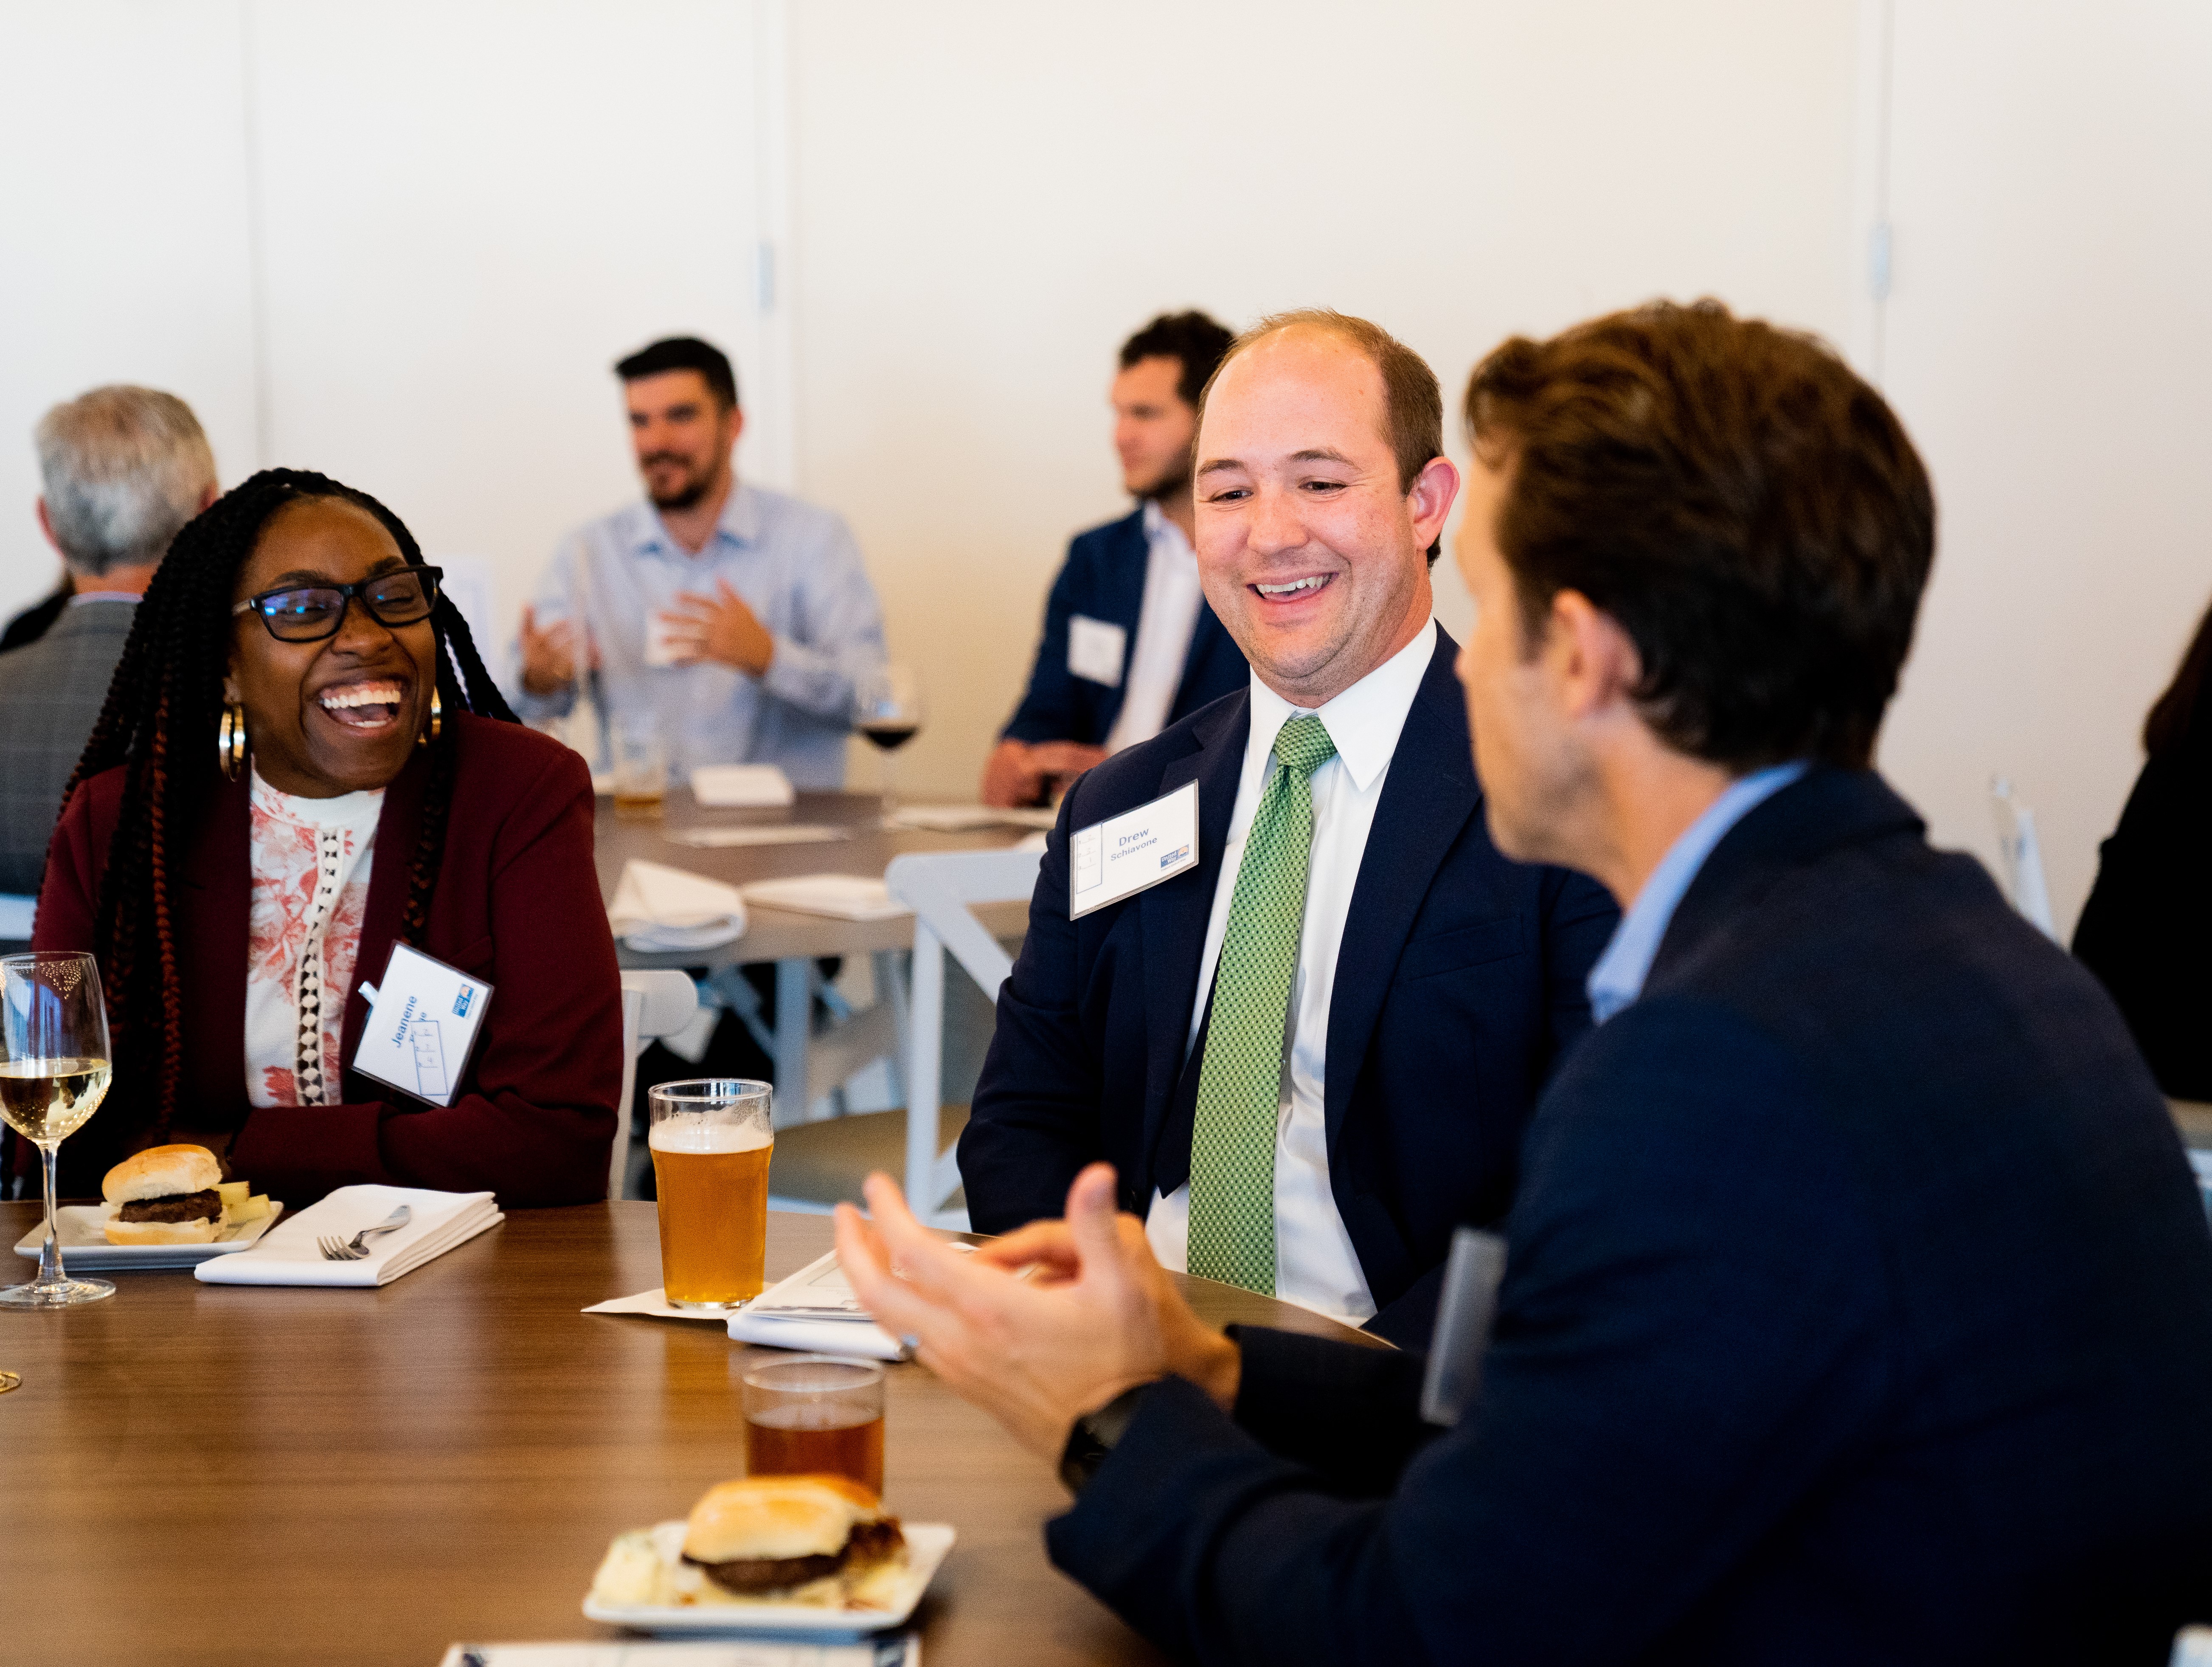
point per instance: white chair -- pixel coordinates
(16, 913)
(654, 1004)
(2023, 857)
(940, 887)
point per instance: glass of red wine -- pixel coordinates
(887, 710)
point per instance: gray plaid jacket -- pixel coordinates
(51, 693)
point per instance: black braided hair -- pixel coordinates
(159, 723)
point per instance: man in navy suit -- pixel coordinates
(1130, 645)
(1857, 1301)
(1423, 957)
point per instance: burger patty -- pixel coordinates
(870, 1543)
(176, 1207)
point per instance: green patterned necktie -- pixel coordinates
(1240, 1079)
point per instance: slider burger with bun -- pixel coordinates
(821, 1540)
(165, 1194)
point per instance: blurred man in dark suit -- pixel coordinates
(1129, 645)
(1311, 1050)
(122, 468)
(1857, 1301)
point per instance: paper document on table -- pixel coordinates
(815, 1310)
(969, 818)
(840, 896)
(789, 833)
(899, 1650)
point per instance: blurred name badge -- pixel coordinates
(423, 1020)
(1095, 647)
(1109, 861)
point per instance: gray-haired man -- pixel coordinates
(123, 469)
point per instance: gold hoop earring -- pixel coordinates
(437, 722)
(230, 740)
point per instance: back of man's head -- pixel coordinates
(1192, 339)
(1748, 510)
(122, 469)
(684, 353)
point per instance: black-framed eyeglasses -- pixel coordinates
(308, 613)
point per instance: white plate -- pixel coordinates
(85, 1248)
(926, 1546)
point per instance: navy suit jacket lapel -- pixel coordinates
(1174, 915)
(1121, 602)
(1427, 798)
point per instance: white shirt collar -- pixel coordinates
(1362, 721)
(1164, 536)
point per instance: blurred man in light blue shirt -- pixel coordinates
(737, 618)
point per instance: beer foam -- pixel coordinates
(709, 1134)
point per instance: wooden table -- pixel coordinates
(792, 940)
(205, 1474)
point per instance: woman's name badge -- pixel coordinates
(1111, 859)
(423, 1020)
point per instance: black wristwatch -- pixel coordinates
(1094, 1437)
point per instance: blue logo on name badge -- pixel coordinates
(461, 1001)
(1176, 855)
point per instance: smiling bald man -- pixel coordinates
(1310, 1045)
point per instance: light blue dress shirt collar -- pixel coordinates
(739, 523)
(1617, 977)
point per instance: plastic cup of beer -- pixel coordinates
(711, 1139)
(811, 1414)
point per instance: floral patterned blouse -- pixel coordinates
(311, 873)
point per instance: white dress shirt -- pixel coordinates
(1315, 1266)
(1164, 626)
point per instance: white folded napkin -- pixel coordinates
(654, 1302)
(842, 897)
(735, 787)
(288, 1254)
(661, 909)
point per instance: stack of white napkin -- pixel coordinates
(288, 1253)
(661, 910)
(740, 787)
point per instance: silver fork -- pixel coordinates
(343, 1249)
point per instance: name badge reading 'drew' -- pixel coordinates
(1111, 859)
(1095, 649)
(423, 1020)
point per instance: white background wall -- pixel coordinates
(2048, 341)
(403, 243)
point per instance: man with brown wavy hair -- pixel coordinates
(1857, 1300)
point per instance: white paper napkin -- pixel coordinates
(653, 1302)
(736, 786)
(842, 897)
(288, 1255)
(780, 833)
(967, 818)
(661, 909)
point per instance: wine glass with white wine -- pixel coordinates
(53, 1075)
(887, 710)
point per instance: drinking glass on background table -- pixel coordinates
(640, 760)
(887, 710)
(53, 1075)
(808, 1415)
(711, 1139)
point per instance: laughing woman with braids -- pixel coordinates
(301, 762)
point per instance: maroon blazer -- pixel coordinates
(517, 904)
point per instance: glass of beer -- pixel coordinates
(711, 1139)
(640, 760)
(811, 1414)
